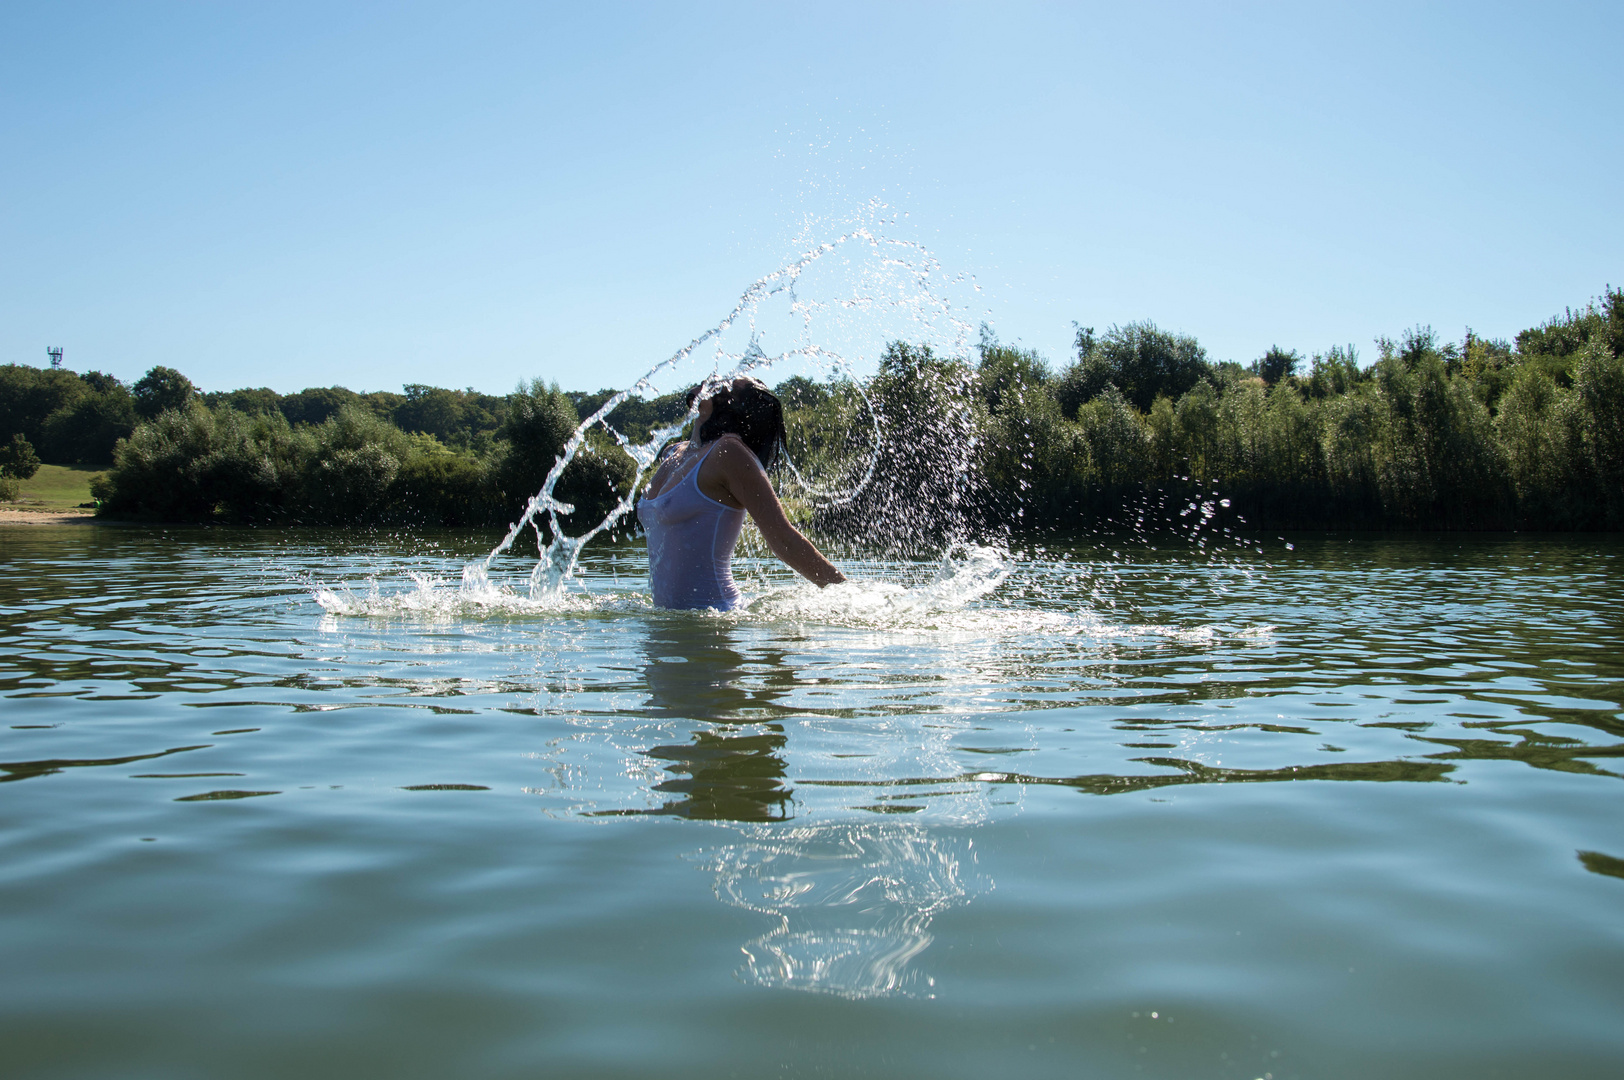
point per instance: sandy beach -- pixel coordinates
(17, 515)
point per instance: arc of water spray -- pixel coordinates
(558, 559)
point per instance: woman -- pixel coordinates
(695, 504)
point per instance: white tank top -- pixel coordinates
(691, 538)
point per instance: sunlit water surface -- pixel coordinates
(271, 807)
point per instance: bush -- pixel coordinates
(201, 464)
(442, 489)
(101, 489)
(197, 464)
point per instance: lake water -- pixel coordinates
(1347, 810)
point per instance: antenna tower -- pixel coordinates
(55, 353)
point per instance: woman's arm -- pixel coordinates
(743, 478)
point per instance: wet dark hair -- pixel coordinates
(746, 408)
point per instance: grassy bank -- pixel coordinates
(57, 487)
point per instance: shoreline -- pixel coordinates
(17, 515)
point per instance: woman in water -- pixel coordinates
(695, 504)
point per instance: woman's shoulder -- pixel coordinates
(672, 451)
(731, 451)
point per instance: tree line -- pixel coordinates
(1138, 426)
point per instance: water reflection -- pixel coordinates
(23, 770)
(731, 769)
(1598, 863)
(853, 899)
(854, 902)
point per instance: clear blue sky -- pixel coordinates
(307, 194)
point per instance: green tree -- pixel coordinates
(1613, 307)
(102, 383)
(255, 402)
(1352, 428)
(17, 458)
(1598, 386)
(1558, 340)
(540, 420)
(586, 404)
(86, 430)
(1026, 450)
(1008, 379)
(317, 404)
(1335, 371)
(1194, 433)
(161, 389)
(1541, 448)
(1442, 464)
(1140, 359)
(1276, 364)
(926, 480)
(1117, 441)
(456, 417)
(638, 417)
(28, 395)
(431, 409)
(383, 404)
(1489, 365)
(799, 392)
(352, 459)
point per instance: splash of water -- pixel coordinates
(904, 278)
(829, 308)
(964, 575)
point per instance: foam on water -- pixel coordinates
(964, 576)
(975, 591)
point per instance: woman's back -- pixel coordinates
(691, 538)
